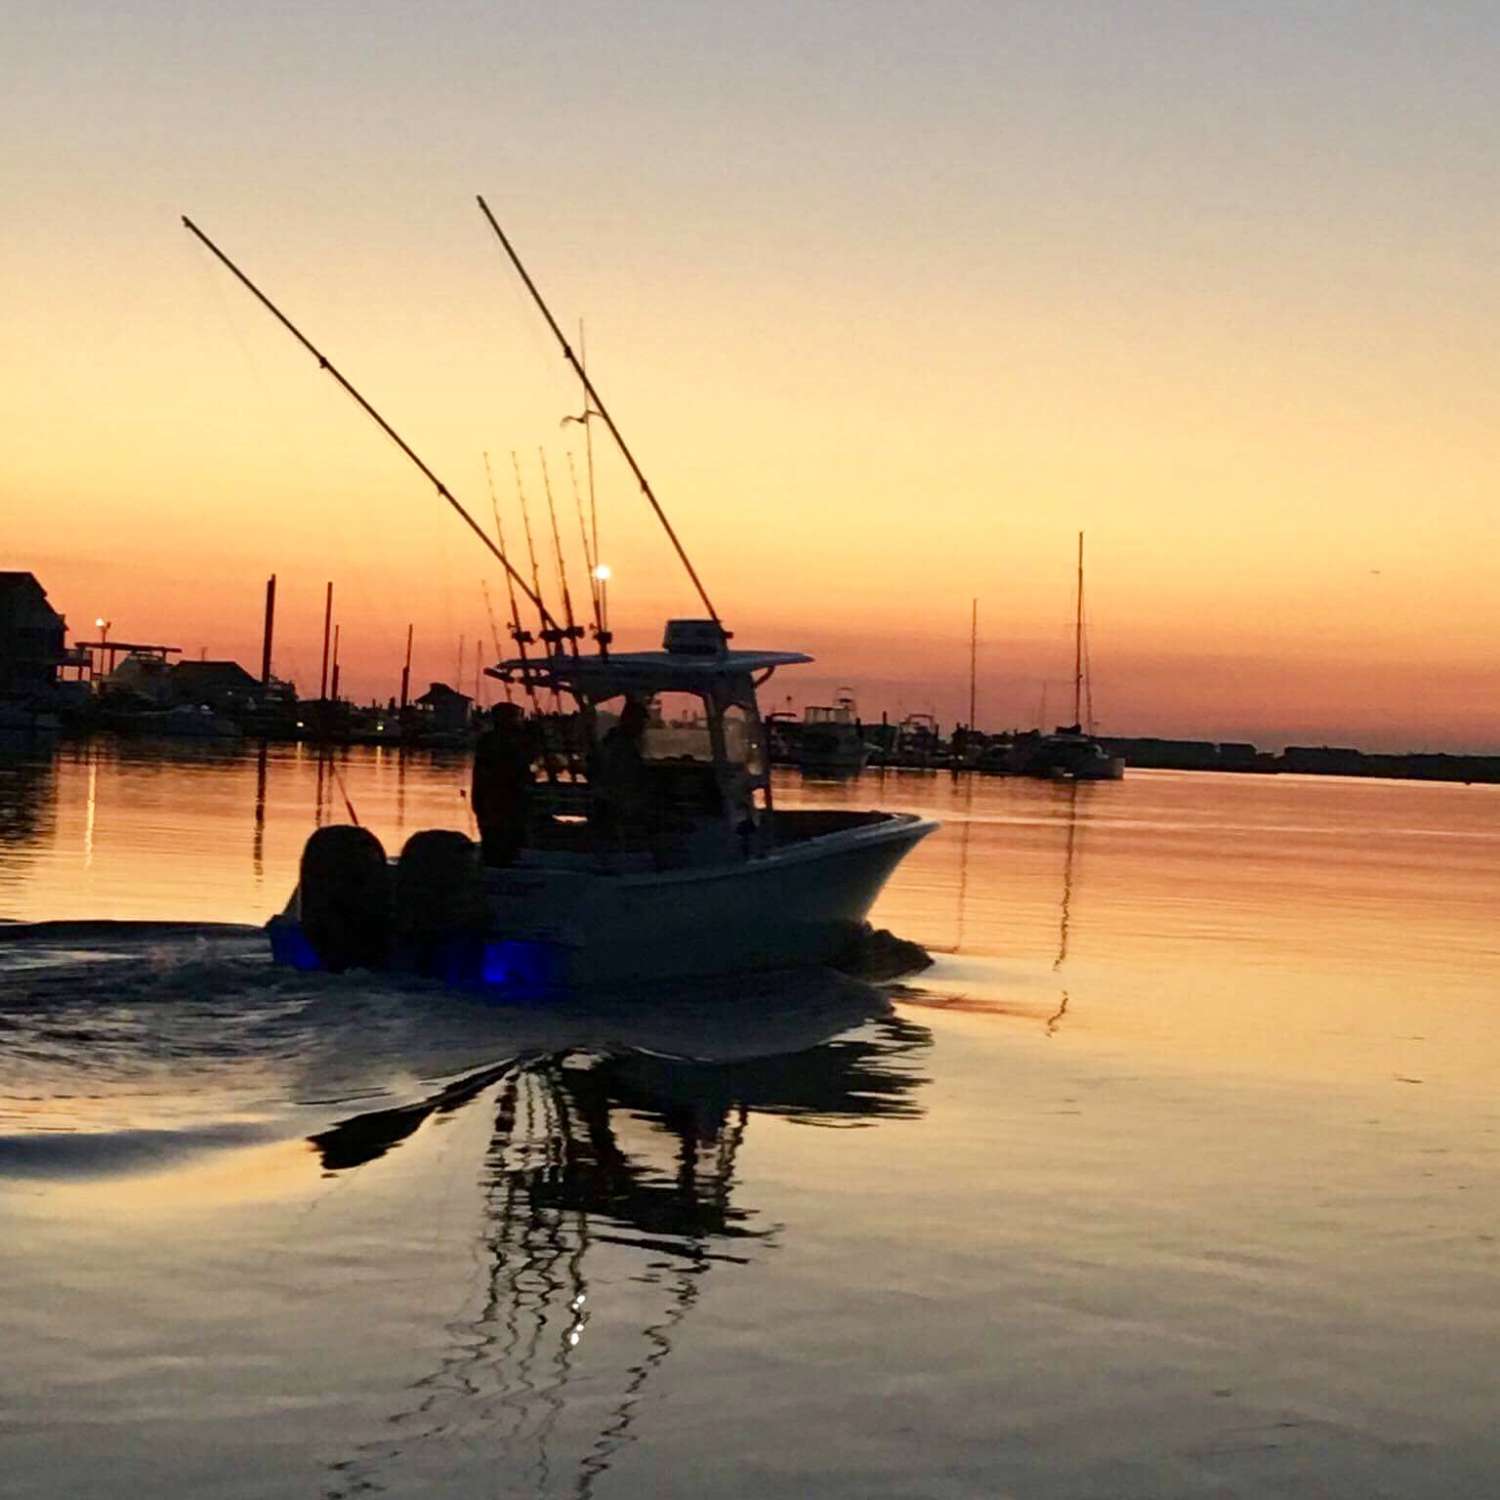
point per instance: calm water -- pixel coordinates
(1176, 1175)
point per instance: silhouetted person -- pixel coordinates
(621, 787)
(502, 785)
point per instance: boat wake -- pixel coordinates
(126, 1046)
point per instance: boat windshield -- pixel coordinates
(679, 728)
(840, 713)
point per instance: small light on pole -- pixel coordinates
(102, 626)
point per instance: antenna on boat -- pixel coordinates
(588, 449)
(590, 558)
(593, 395)
(326, 364)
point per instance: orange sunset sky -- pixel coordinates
(890, 300)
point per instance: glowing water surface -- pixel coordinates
(1176, 1175)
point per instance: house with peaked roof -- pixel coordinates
(442, 708)
(31, 637)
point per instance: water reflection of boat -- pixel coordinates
(1065, 913)
(611, 1197)
(190, 721)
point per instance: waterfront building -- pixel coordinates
(443, 710)
(31, 637)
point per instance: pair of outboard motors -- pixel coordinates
(425, 916)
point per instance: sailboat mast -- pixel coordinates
(327, 630)
(973, 655)
(1078, 643)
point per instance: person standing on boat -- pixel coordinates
(621, 787)
(501, 795)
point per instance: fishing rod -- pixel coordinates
(519, 634)
(574, 630)
(588, 386)
(325, 363)
(489, 609)
(343, 792)
(550, 636)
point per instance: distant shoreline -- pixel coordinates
(1153, 754)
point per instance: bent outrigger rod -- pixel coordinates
(325, 363)
(599, 406)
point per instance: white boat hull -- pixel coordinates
(801, 904)
(555, 923)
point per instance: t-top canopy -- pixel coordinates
(603, 676)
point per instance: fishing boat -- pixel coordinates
(832, 740)
(706, 877)
(715, 880)
(1071, 752)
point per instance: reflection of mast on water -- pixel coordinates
(321, 795)
(963, 861)
(1055, 1019)
(560, 1184)
(258, 839)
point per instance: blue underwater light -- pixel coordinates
(524, 969)
(290, 946)
(499, 969)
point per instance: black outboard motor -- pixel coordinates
(345, 898)
(440, 914)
